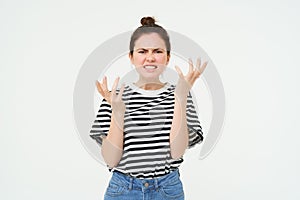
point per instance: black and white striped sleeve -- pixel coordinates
(101, 124)
(193, 123)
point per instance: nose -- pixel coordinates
(150, 57)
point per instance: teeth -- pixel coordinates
(150, 67)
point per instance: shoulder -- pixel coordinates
(171, 87)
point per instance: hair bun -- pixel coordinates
(148, 21)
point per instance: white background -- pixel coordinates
(254, 45)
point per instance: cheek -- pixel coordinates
(162, 58)
(137, 59)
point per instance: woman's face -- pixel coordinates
(149, 56)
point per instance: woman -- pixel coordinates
(144, 128)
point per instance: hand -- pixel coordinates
(103, 90)
(186, 82)
(117, 104)
(115, 100)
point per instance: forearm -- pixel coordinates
(112, 147)
(179, 132)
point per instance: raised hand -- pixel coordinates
(117, 104)
(103, 90)
(114, 99)
(185, 82)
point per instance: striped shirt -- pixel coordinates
(147, 124)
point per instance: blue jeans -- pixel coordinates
(124, 187)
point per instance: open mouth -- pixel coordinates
(150, 66)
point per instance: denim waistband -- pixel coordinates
(144, 184)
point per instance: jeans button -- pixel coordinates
(146, 184)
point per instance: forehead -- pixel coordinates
(151, 40)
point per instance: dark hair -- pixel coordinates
(149, 26)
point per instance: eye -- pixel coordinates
(159, 51)
(142, 51)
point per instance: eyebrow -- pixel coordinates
(149, 49)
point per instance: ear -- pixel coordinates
(168, 58)
(130, 57)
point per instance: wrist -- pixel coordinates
(118, 119)
(118, 113)
(181, 93)
(182, 99)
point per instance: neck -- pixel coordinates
(147, 85)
